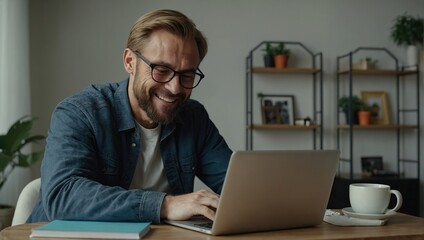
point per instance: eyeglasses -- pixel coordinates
(162, 74)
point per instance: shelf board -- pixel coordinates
(282, 126)
(284, 70)
(380, 72)
(360, 177)
(374, 126)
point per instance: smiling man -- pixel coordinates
(130, 151)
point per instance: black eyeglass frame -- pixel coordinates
(180, 73)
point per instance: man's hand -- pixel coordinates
(183, 207)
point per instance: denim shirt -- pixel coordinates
(92, 149)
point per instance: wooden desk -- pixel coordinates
(401, 226)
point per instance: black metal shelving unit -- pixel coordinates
(315, 70)
(409, 185)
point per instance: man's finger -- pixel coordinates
(185, 206)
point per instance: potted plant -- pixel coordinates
(364, 114)
(12, 155)
(374, 110)
(350, 106)
(408, 31)
(269, 55)
(281, 56)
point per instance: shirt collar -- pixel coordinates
(124, 116)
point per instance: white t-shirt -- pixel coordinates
(149, 174)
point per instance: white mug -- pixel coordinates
(372, 198)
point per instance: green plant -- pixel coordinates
(407, 30)
(274, 50)
(375, 105)
(269, 50)
(11, 145)
(365, 107)
(280, 49)
(374, 108)
(356, 102)
(369, 60)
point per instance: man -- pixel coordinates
(129, 151)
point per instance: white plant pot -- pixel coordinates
(411, 57)
(6, 215)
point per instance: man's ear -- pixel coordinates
(129, 61)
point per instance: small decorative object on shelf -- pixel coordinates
(277, 109)
(365, 64)
(303, 121)
(372, 166)
(377, 100)
(269, 55)
(276, 56)
(364, 114)
(354, 103)
(281, 56)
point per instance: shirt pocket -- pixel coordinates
(187, 170)
(109, 169)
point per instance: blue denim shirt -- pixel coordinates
(92, 149)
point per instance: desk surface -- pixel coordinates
(401, 226)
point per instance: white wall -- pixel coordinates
(77, 42)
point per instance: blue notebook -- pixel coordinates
(92, 229)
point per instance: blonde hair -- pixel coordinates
(169, 20)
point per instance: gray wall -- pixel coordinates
(78, 42)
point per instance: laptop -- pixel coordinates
(271, 190)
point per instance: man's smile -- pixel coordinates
(166, 99)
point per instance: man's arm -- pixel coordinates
(213, 155)
(213, 152)
(79, 181)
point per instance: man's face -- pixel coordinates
(160, 102)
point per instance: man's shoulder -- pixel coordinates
(94, 92)
(104, 105)
(100, 103)
(94, 96)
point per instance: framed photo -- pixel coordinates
(277, 109)
(269, 112)
(378, 103)
(371, 165)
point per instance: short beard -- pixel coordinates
(145, 103)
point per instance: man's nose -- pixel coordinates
(174, 85)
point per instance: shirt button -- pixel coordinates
(133, 145)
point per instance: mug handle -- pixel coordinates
(398, 202)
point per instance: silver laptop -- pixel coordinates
(271, 190)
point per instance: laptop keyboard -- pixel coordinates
(204, 225)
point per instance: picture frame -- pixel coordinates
(378, 103)
(371, 165)
(277, 109)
